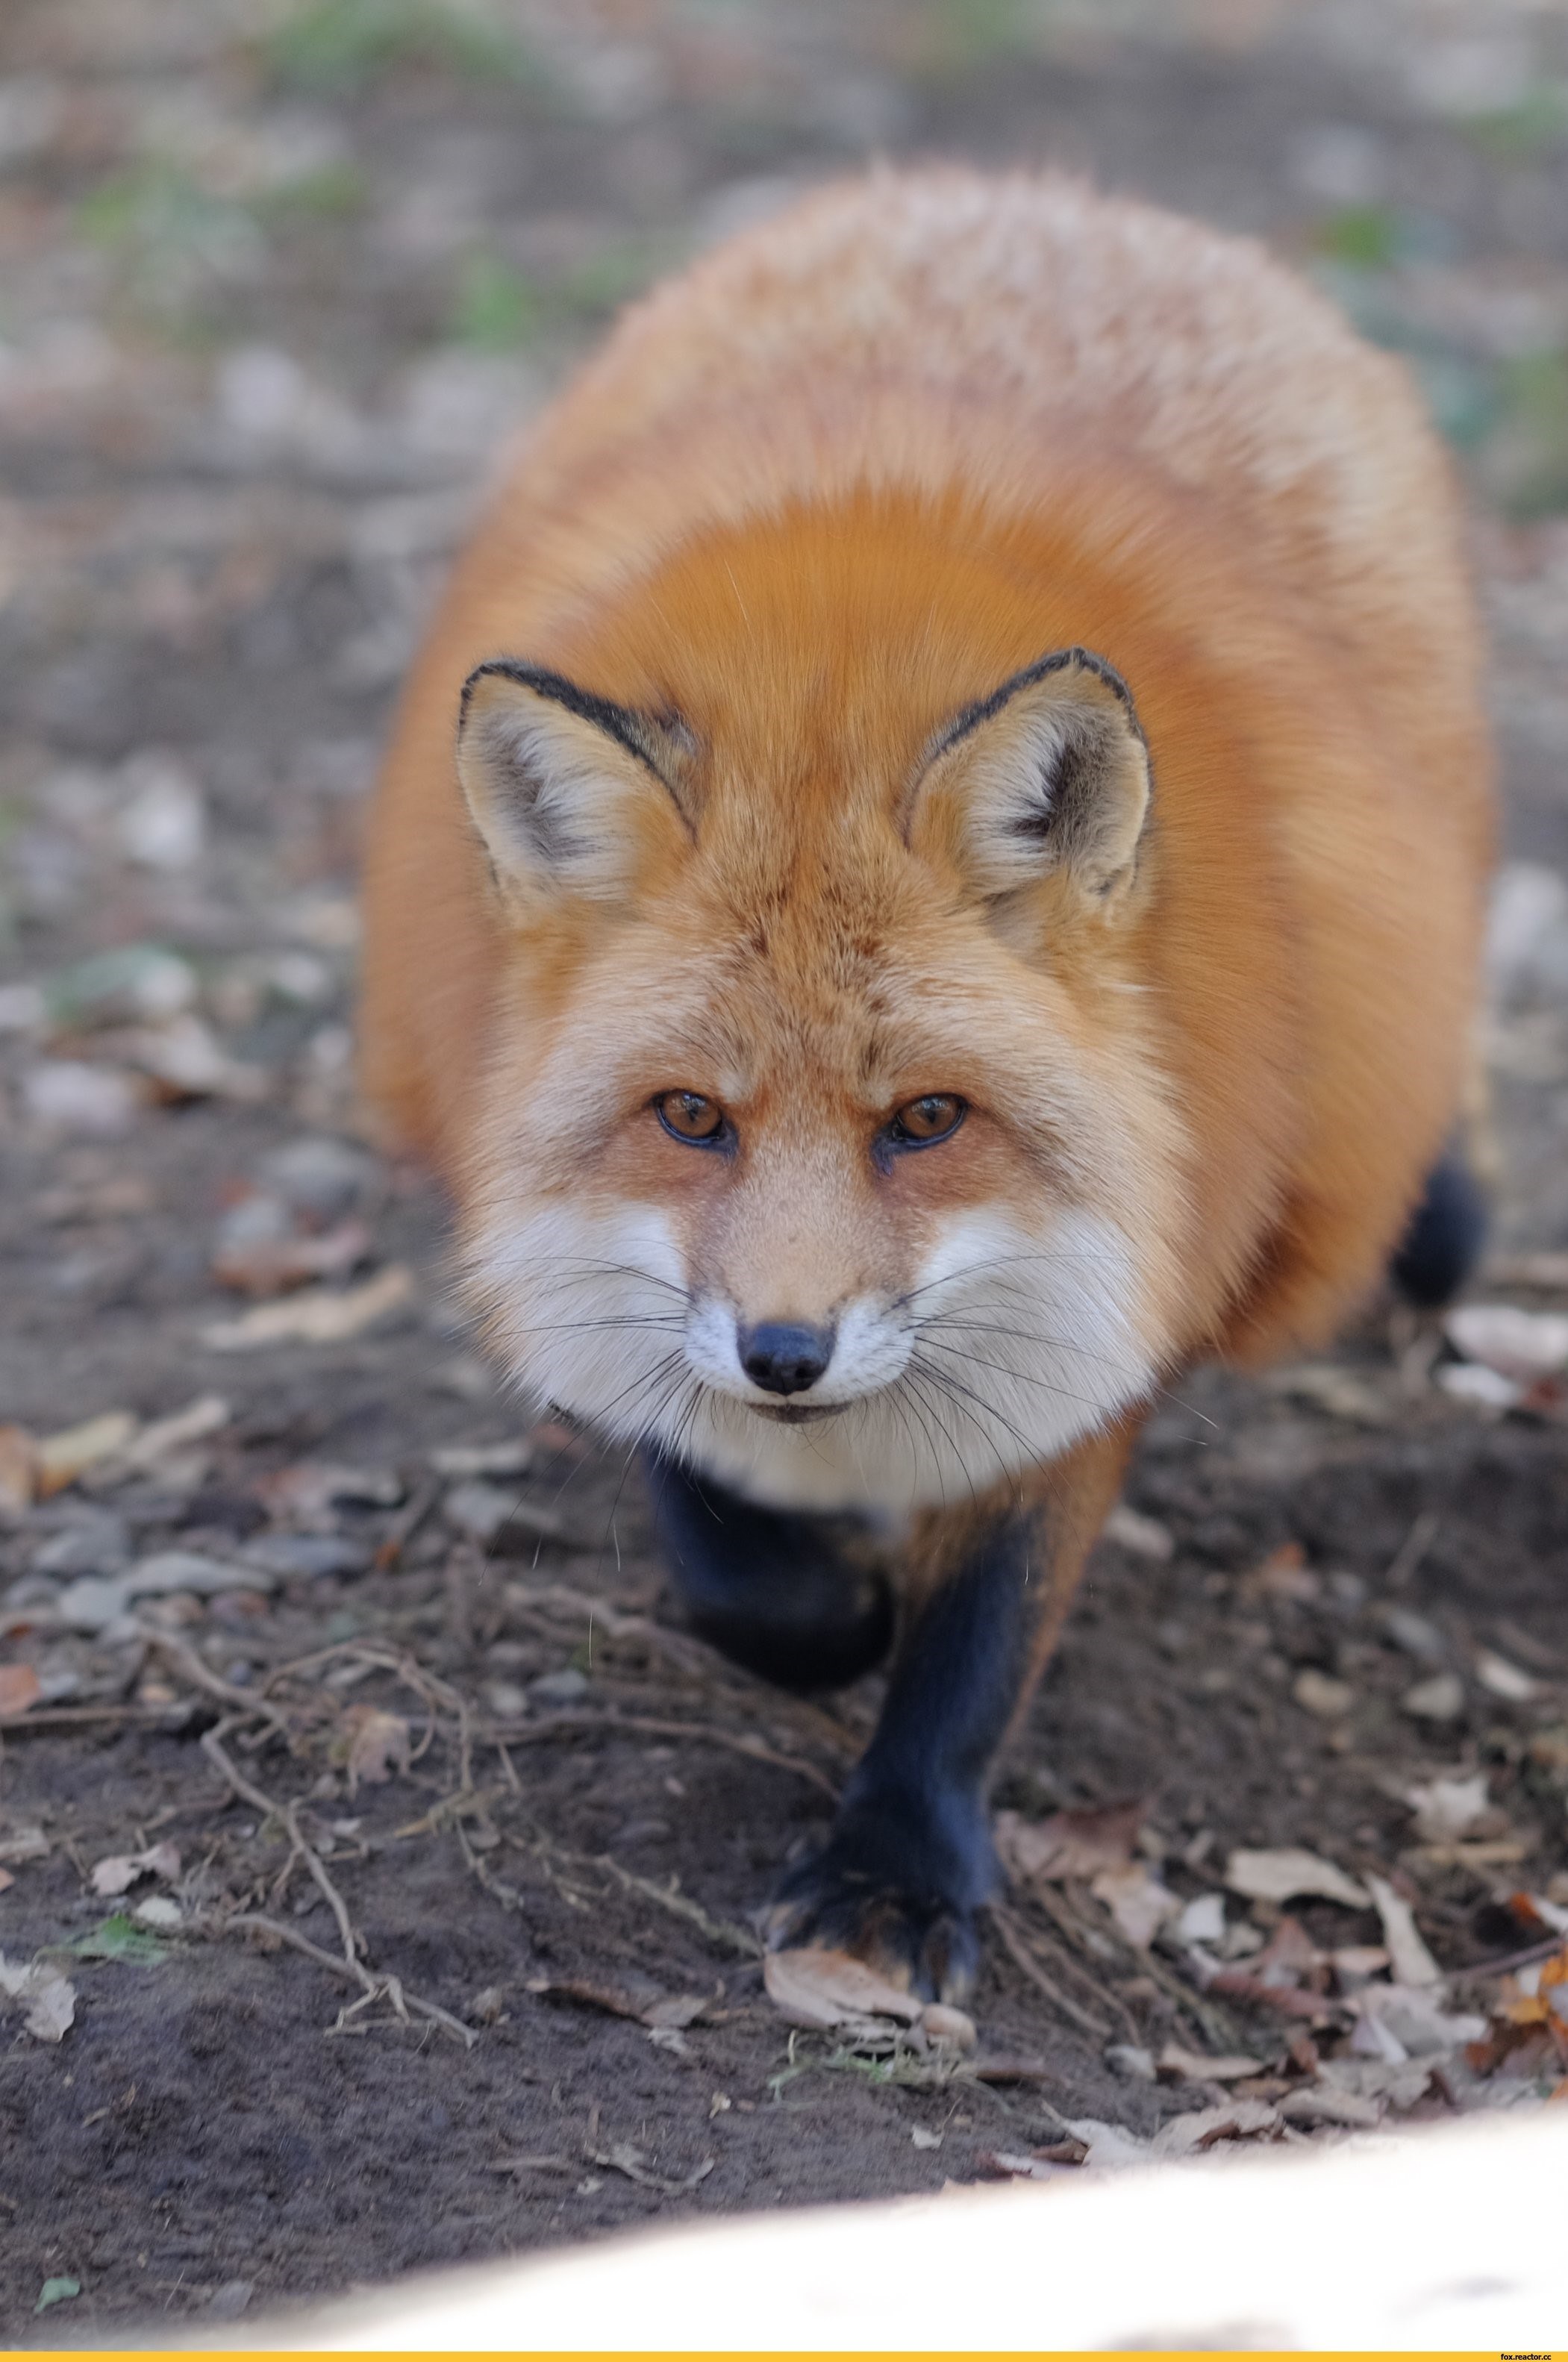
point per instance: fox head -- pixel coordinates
(823, 1147)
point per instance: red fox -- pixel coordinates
(929, 874)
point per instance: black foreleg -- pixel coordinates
(800, 1600)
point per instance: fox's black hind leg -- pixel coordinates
(1443, 1240)
(798, 1600)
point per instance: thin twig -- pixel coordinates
(185, 1658)
(45, 1718)
(560, 1726)
(372, 1986)
(723, 1932)
(1018, 1946)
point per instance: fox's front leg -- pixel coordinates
(909, 1859)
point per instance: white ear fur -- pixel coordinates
(1048, 776)
(569, 791)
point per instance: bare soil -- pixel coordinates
(276, 285)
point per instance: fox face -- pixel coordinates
(821, 1150)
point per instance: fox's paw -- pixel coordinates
(923, 1941)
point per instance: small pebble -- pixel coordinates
(563, 1688)
(1130, 2061)
(1440, 1700)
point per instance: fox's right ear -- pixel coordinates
(571, 794)
(1048, 776)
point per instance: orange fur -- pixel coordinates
(846, 477)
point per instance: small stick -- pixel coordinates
(372, 1987)
(1017, 1945)
(559, 1725)
(43, 1717)
(244, 1702)
(718, 1931)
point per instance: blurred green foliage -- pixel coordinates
(346, 45)
(499, 308)
(1517, 134)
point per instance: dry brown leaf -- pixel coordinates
(117, 1872)
(638, 1998)
(1079, 1843)
(371, 1745)
(1194, 2068)
(274, 1266)
(1189, 2135)
(19, 1688)
(1411, 1962)
(318, 1315)
(18, 1469)
(1279, 1872)
(821, 1989)
(49, 2001)
(61, 1459)
(1136, 1901)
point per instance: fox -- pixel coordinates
(928, 877)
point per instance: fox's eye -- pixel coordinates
(690, 1116)
(926, 1120)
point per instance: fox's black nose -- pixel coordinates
(785, 1356)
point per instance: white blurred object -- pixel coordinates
(1526, 934)
(67, 1094)
(1524, 1346)
(163, 822)
(1448, 2237)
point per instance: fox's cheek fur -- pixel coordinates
(1008, 1346)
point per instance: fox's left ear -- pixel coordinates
(1048, 776)
(572, 795)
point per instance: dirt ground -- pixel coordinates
(277, 280)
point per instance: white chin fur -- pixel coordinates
(1010, 1346)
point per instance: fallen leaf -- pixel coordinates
(1078, 1843)
(1189, 2135)
(1412, 1963)
(1137, 1901)
(49, 2003)
(621, 2157)
(206, 1416)
(22, 1841)
(1195, 2068)
(19, 1688)
(1319, 2104)
(56, 2292)
(118, 1872)
(1524, 1346)
(119, 1938)
(1275, 1875)
(1109, 2147)
(318, 1315)
(1448, 1809)
(820, 1989)
(61, 1459)
(307, 1491)
(273, 1266)
(18, 1469)
(640, 2000)
(1411, 2016)
(160, 1911)
(371, 1745)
